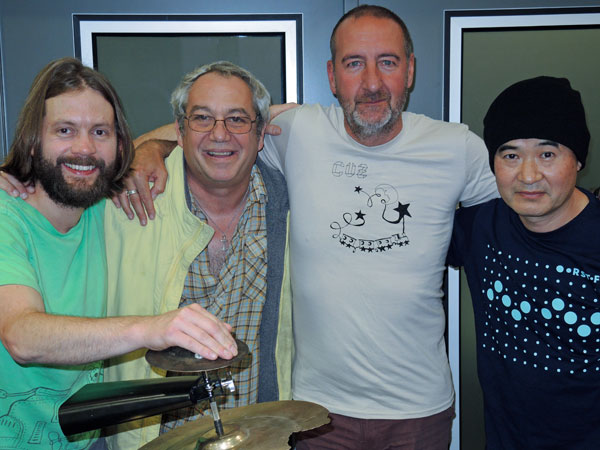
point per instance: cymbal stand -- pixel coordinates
(210, 386)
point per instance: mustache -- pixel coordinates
(81, 161)
(373, 96)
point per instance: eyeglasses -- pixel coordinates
(234, 124)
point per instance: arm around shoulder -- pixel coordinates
(275, 144)
(164, 133)
(147, 179)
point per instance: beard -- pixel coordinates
(78, 193)
(363, 127)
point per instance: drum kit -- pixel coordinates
(260, 426)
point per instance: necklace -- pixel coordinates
(224, 240)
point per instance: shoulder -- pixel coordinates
(313, 113)
(593, 196)
(16, 227)
(273, 179)
(93, 219)
(311, 109)
(269, 174)
(97, 210)
(13, 211)
(592, 210)
(421, 122)
(471, 225)
(8, 203)
(445, 136)
(175, 159)
(480, 214)
(175, 188)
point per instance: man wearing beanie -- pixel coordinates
(532, 260)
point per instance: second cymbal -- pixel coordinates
(260, 426)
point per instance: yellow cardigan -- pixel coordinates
(147, 267)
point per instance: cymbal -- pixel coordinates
(178, 359)
(261, 426)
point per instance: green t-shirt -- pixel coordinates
(69, 272)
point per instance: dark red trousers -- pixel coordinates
(426, 433)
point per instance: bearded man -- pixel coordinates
(372, 194)
(73, 144)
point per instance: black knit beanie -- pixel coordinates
(539, 108)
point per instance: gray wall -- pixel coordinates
(518, 55)
(36, 31)
(514, 56)
(130, 65)
(32, 32)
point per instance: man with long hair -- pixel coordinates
(72, 142)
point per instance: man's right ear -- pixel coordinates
(331, 76)
(179, 135)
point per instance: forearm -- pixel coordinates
(31, 335)
(37, 337)
(166, 132)
(163, 147)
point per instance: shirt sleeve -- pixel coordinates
(274, 150)
(15, 265)
(461, 231)
(480, 183)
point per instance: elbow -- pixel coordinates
(19, 354)
(18, 350)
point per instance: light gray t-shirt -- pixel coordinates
(369, 231)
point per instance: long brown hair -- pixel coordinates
(60, 76)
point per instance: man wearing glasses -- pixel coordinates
(227, 267)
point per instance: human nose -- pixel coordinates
(83, 144)
(529, 172)
(219, 131)
(371, 78)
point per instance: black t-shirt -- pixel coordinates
(536, 298)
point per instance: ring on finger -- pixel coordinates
(131, 192)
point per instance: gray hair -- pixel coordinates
(261, 99)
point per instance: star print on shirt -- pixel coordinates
(402, 211)
(383, 205)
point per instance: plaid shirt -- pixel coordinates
(236, 296)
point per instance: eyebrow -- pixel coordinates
(63, 122)
(389, 55)
(68, 122)
(506, 147)
(206, 109)
(383, 55)
(346, 58)
(539, 144)
(548, 142)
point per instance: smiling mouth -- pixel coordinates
(219, 154)
(80, 168)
